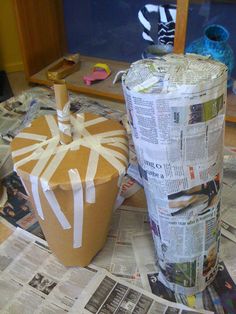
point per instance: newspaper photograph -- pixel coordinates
(18, 210)
(33, 281)
(109, 294)
(218, 297)
(128, 188)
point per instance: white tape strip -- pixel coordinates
(33, 156)
(64, 128)
(116, 154)
(119, 145)
(51, 168)
(26, 149)
(44, 158)
(57, 209)
(114, 140)
(114, 162)
(36, 197)
(38, 168)
(77, 188)
(111, 133)
(94, 121)
(32, 136)
(52, 125)
(90, 174)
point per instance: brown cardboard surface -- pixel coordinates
(97, 215)
(74, 158)
(96, 224)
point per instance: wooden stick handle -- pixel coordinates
(63, 112)
(181, 25)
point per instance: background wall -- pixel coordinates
(10, 56)
(111, 29)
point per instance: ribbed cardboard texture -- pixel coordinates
(96, 216)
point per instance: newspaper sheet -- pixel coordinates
(33, 281)
(228, 194)
(117, 256)
(219, 296)
(18, 209)
(109, 294)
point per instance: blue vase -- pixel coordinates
(214, 43)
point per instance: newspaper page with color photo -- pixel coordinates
(219, 296)
(176, 108)
(228, 194)
(107, 294)
(33, 281)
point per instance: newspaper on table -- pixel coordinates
(176, 110)
(219, 296)
(117, 256)
(228, 194)
(33, 281)
(107, 294)
(17, 210)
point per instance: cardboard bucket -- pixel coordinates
(72, 186)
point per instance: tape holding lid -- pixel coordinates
(68, 183)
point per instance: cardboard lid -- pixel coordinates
(98, 152)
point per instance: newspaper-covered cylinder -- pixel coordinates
(176, 109)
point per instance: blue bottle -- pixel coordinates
(214, 43)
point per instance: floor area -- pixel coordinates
(18, 82)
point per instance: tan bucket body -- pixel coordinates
(72, 187)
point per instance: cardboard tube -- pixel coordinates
(63, 112)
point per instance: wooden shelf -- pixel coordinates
(103, 89)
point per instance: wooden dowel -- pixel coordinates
(63, 112)
(181, 26)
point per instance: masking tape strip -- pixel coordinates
(78, 207)
(35, 193)
(52, 125)
(111, 133)
(27, 149)
(33, 156)
(63, 120)
(32, 136)
(50, 196)
(116, 154)
(120, 179)
(114, 140)
(51, 168)
(64, 128)
(94, 121)
(67, 119)
(119, 145)
(90, 174)
(43, 160)
(36, 172)
(114, 162)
